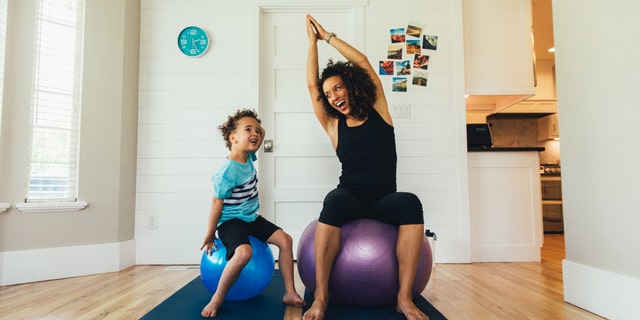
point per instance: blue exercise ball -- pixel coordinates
(253, 279)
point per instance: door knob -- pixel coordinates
(268, 146)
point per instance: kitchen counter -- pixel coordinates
(505, 205)
(511, 149)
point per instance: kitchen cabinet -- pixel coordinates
(546, 80)
(505, 206)
(544, 101)
(548, 128)
(498, 53)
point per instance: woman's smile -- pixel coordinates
(336, 93)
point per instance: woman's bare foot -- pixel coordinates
(410, 311)
(293, 299)
(316, 311)
(211, 309)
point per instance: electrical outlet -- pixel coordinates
(152, 221)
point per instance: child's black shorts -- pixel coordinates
(235, 232)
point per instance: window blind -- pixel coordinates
(56, 97)
(3, 40)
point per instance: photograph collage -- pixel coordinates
(408, 57)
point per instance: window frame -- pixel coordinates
(51, 98)
(3, 40)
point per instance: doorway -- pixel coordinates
(301, 167)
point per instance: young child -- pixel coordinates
(234, 211)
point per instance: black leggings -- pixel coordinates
(399, 208)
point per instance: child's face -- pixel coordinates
(248, 135)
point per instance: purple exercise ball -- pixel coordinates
(365, 270)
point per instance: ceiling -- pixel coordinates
(542, 29)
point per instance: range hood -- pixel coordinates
(518, 115)
(493, 103)
(536, 109)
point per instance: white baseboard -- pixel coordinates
(56, 263)
(452, 250)
(604, 293)
(505, 253)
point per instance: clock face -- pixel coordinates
(193, 41)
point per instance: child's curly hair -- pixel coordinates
(230, 125)
(360, 86)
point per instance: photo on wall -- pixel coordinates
(399, 84)
(397, 35)
(421, 61)
(420, 78)
(414, 30)
(386, 68)
(403, 68)
(394, 52)
(413, 46)
(430, 42)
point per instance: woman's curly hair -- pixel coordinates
(231, 124)
(359, 85)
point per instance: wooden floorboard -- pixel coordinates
(460, 291)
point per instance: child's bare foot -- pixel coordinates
(410, 311)
(316, 312)
(211, 309)
(293, 299)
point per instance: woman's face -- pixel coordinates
(336, 93)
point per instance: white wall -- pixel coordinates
(183, 100)
(597, 79)
(100, 237)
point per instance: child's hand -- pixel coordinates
(208, 244)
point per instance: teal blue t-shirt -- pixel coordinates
(237, 185)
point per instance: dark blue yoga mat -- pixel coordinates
(187, 303)
(335, 312)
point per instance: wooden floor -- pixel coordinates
(459, 291)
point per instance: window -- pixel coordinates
(55, 101)
(3, 38)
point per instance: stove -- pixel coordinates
(550, 169)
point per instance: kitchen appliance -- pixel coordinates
(550, 169)
(552, 216)
(479, 136)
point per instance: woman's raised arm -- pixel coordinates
(354, 56)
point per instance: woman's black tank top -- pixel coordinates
(368, 156)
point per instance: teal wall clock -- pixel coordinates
(193, 41)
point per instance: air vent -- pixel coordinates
(507, 115)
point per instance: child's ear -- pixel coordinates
(232, 138)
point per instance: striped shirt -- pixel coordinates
(237, 185)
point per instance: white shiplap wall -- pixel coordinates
(183, 100)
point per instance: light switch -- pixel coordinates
(401, 110)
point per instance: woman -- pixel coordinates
(349, 102)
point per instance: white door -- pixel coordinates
(303, 167)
